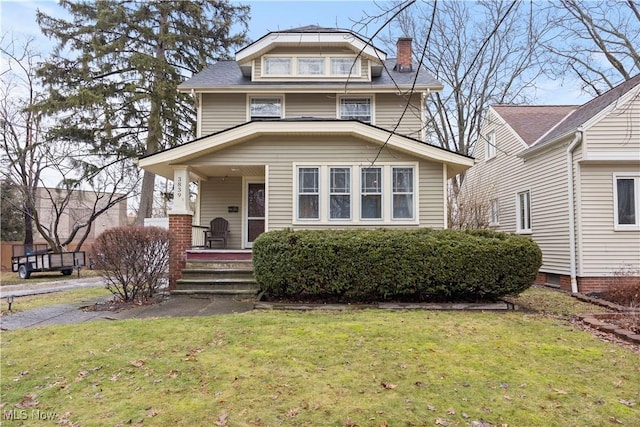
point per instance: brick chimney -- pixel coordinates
(404, 57)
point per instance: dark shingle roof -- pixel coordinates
(224, 74)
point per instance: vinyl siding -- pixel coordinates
(222, 111)
(618, 132)
(310, 105)
(281, 153)
(389, 108)
(604, 250)
(216, 195)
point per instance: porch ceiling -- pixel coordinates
(229, 170)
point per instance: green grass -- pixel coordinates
(548, 301)
(63, 297)
(360, 368)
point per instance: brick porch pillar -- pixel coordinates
(180, 226)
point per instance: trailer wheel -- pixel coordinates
(23, 272)
(67, 272)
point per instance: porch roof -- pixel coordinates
(164, 162)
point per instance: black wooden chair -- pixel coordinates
(218, 232)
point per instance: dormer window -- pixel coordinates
(311, 66)
(277, 66)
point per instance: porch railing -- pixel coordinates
(197, 236)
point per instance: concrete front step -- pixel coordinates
(205, 283)
(217, 273)
(222, 264)
(233, 293)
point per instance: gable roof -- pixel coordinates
(162, 161)
(541, 125)
(532, 122)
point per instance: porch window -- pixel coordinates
(308, 193)
(265, 107)
(310, 66)
(402, 193)
(523, 212)
(277, 66)
(340, 193)
(626, 201)
(371, 193)
(356, 109)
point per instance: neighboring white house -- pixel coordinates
(309, 128)
(568, 176)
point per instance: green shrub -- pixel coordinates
(398, 265)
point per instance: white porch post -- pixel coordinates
(181, 179)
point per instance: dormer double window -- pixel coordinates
(310, 66)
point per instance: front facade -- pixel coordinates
(310, 128)
(568, 176)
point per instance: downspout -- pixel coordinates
(572, 216)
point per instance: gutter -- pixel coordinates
(577, 139)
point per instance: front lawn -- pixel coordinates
(29, 302)
(366, 368)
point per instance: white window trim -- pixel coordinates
(518, 217)
(387, 195)
(636, 177)
(350, 193)
(371, 97)
(255, 95)
(494, 213)
(356, 70)
(491, 142)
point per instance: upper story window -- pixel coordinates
(491, 145)
(523, 212)
(494, 212)
(265, 107)
(277, 66)
(626, 196)
(310, 66)
(356, 109)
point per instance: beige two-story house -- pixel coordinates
(568, 176)
(309, 128)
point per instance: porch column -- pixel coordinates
(180, 221)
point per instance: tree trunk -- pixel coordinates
(146, 197)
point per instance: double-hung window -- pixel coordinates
(402, 202)
(494, 212)
(371, 193)
(308, 193)
(355, 109)
(523, 212)
(265, 108)
(491, 149)
(626, 196)
(340, 193)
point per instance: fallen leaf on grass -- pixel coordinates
(152, 412)
(293, 412)
(628, 403)
(614, 420)
(442, 422)
(138, 363)
(222, 420)
(28, 401)
(388, 386)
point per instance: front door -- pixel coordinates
(255, 212)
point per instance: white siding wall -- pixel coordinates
(281, 153)
(389, 108)
(604, 250)
(618, 133)
(222, 110)
(310, 105)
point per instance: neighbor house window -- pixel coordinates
(343, 66)
(402, 192)
(308, 193)
(277, 66)
(494, 217)
(340, 193)
(371, 193)
(265, 107)
(310, 66)
(523, 212)
(355, 109)
(626, 197)
(491, 145)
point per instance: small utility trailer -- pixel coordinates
(27, 259)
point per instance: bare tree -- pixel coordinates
(31, 157)
(596, 41)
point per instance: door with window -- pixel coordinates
(255, 211)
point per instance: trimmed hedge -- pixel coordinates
(394, 265)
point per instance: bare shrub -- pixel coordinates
(625, 289)
(134, 261)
